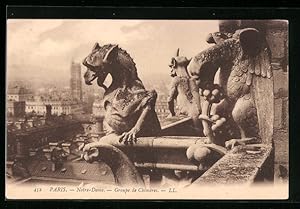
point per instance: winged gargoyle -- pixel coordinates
(245, 75)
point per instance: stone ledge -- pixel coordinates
(244, 165)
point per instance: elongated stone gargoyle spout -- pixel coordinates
(129, 107)
(245, 76)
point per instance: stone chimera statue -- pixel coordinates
(129, 110)
(184, 89)
(129, 107)
(244, 60)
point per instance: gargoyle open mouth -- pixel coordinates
(91, 75)
(89, 82)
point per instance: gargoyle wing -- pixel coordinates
(263, 86)
(256, 58)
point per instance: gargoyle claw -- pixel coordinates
(230, 144)
(235, 142)
(128, 137)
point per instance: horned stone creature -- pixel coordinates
(129, 108)
(246, 78)
(184, 89)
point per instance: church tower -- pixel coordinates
(75, 81)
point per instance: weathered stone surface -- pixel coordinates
(240, 166)
(277, 39)
(278, 117)
(246, 76)
(281, 82)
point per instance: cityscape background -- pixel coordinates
(49, 45)
(48, 101)
(40, 61)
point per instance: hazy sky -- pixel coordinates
(46, 47)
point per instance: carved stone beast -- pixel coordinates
(129, 110)
(246, 78)
(129, 107)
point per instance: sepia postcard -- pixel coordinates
(147, 109)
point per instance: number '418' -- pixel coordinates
(37, 189)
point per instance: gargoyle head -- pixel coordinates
(98, 63)
(178, 62)
(228, 51)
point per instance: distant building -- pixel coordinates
(161, 106)
(36, 107)
(98, 109)
(18, 94)
(16, 109)
(25, 136)
(75, 82)
(94, 129)
(57, 107)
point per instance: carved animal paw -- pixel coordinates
(235, 142)
(213, 94)
(217, 122)
(211, 125)
(230, 144)
(129, 137)
(207, 141)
